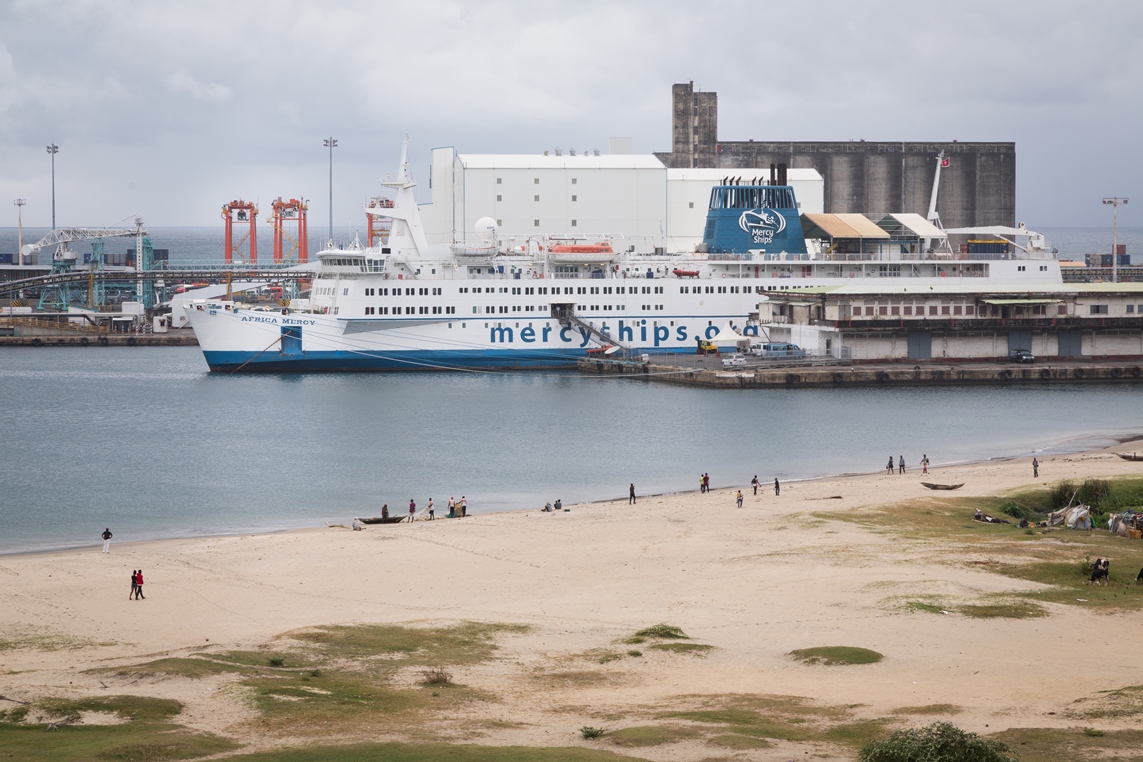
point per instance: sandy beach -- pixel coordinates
(754, 584)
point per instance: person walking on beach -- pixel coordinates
(706, 482)
(432, 515)
(755, 483)
(777, 487)
(631, 495)
(451, 507)
(1035, 469)
(901, 465)
(702, 482)
(925, 464)
(412, 510)
(134, 584)
(463, 506)
(739, 499)
(889, 468)
(106, 540)
(139, 585)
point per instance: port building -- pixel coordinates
(634, 199)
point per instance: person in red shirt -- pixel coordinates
(139, 585)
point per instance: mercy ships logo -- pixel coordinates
(762, 224)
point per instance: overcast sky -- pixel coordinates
(168, 110)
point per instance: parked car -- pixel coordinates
(734, 361)
(776, 351)
(1021, 355)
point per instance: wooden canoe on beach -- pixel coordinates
(930, 485)
(383, 520)
(1131, 456)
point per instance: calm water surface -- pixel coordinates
(146, 441)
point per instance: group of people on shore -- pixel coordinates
(901, 464)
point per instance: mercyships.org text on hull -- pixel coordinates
(544, 304)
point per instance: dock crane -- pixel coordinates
(64, 261)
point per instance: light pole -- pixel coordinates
(53, 149)
(1115, 202)
(20, 223)
(331, 144)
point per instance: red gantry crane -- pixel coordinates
(242, 212)
(292, 211)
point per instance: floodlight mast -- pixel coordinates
(1114, 202)
(331, 144)
(53, 149)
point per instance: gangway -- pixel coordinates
(564, 313)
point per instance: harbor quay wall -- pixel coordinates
(873, 375)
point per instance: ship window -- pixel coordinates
(499, 181)
(535, 198)
(345, 292)
(573, 223)
(499, 198)
(408, 292)
(475, 310)
(535, 181)
(692, 205)
(384, 310)
(573, 183)
(536, 223)
(499, 223)
(476, 290)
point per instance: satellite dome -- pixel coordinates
(486, 229)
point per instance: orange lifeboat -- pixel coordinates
(576, 253)
(685, 273)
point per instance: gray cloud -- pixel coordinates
(169, 110)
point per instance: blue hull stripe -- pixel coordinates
(421, 360)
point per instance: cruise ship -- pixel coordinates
(544, 302)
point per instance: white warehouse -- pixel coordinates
(631, 198)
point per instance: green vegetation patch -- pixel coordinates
(929, 709)
(1003, 610)
(650, 735)
(923, 607)
(1054, 744)
(148, 735)
(740, 721)
(433, 752)
(31, 639)
(466, 643)
(192, 667)
(695, 649)
(832, 656)
(1115, 704)
(939, 742)
(740, 742)
(665, 631)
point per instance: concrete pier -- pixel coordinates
(866, 375)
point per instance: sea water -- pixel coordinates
(146, 441)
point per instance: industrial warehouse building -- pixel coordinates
(632, 199)
(909, 322)
(978, 186)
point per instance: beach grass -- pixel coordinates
(945, 710)
(650, 735)
(1054, 744)
(832, 656)
(1055, 557)
(431, 752)
(146, 733)
(694, 649)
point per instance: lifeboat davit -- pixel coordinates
(581, 253)
(679, 273)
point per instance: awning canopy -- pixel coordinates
(994, 230)
(1021, 301)
(918, 225)
(842, 226)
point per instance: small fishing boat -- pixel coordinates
(1130, 456)
(383, 519)
(931, 485)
